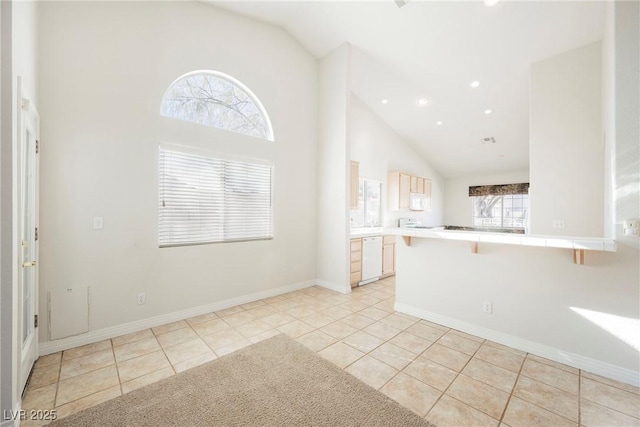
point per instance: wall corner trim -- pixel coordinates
(49, 347)
(578, 361)
(343, 289)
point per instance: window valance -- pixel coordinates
(499, 190)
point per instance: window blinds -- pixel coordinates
(205, 199)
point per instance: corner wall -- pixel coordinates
(380, 150)
(333, 167)
(566, 147)
(104, 69)
(583, 315)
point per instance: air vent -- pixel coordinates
(489, 140)
(401, 3)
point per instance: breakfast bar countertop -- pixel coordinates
(568, 242)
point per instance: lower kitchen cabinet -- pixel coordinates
(388, 259)
(388, 256)
(356, 262)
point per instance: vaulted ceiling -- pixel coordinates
(435, 50)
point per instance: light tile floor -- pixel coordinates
(448, 377)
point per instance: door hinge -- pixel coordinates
(35, 321)
(37, 146)
(36, 234)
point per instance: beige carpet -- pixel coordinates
(277, 382)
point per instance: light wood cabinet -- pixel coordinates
(399, 189)
(388, 259)
(414, 184)
(427, 194)
(356, 261)
(388, 256)
(354, 181)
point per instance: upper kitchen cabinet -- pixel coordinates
(355, 174)
(427, 194)
(407, 192)
(398, 189)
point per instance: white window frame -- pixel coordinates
(219, 75)
(502, 212)
(222, 157)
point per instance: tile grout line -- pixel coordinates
(513, 389)
(165, 353)
(538, 406)
(579, 396)
(402, 370)
(455, 378)
(115, 362)
(55, 397)
(365, 354)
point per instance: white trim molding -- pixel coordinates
(138, 325)
(343, 289)
(578, 361)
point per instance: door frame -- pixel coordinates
(27, 119)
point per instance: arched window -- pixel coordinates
(215, 99)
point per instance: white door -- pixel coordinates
(28, 223)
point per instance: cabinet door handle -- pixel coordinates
(29, 264)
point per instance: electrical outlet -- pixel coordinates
(98, 222)
(142, 298)
(558, 223)
(487, 307)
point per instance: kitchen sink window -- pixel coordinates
(500, 206)
(206, 199)
(369, 212)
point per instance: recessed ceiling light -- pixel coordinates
(487, 111)
(422, 101)
(475, 84)
(439, 122)
(385, 101)
(491, 3)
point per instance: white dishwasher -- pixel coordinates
(371, 259)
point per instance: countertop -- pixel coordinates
(367, 231)
(570, 242)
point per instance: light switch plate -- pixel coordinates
(98, 222)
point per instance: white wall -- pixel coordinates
(608, 116)
(104, 69)
(457, 205)
(533, 290)
(627, 115)
(333, 170)
(566, 150)
(380, 150)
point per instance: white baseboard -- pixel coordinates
(578, 361)
(127, 328)
(344, 289)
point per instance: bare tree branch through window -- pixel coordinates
(211, 99)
